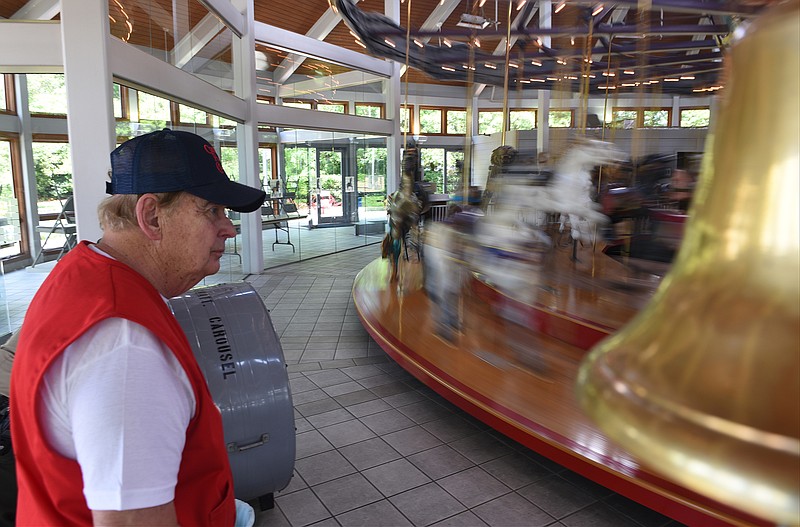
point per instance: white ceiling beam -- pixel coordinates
(520, 21)
(142, 70)
(287, 40)
(322, 85)
(38, 10)
(321, 29)
(196, 39)
(299, 118)
(228, 13)
(30, 47)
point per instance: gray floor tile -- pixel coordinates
(344, 434)
(473, 486)
(395, 477)
(310, 443)
(556, 496)
(427, 504)
(380, 514)
(347, 493)
(512, 510)
(317, 407)
(450, 428)
(387, 421)
(480, 448)
(369, 453)
(464, 519)
(411, 440)
(515, 470)
(440, 461)
(355, 398)
(425, 411)
(368, 408)
(302, 508)
(333, 417)
(323, 467)
(598, 514)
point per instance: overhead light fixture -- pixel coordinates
(490, 66)
(389, 43)
(629, 72)
(472, 21)
(520, 4)
(560, 6)
(447, 68)
(479, 5)
(418, 43)
(477, 42)
(687, 77)
(447, 43)
(597, 10)
(536, 63)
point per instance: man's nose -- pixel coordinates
(228, 229)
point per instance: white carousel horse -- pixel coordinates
(568, 193)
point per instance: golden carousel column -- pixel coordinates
(703, 386)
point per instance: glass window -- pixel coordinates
(405, 118)
(10, 229)
(298, 104)
(490, 122)
(117, 101)
(656, 118)
(369, 110)
(3, 103)
(47, 93)
(430, 121)
(456, 121)
(432, 160)
(522, 119)
(560, 119)
(333, 108)
(454, 169)
(153, 109)
(625, 118)
(53, 168)
(229, 156)
(695, 118)
(187, 114)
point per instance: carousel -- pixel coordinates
(583, 309)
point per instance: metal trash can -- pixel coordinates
(235, 343)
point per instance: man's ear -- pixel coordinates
(148, 215)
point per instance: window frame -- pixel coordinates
(380, 105)
(680, 116)
(11, 99)
(571, 118)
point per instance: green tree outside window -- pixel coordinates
(430, 121)
(456, 121)
(490, 122)
(405, 119)
(695, 118)
(47, 93)
(368, 110)
(432, 160)
(333, 108)
(560, 119)
(656, 118)
(522, 119)
(192, 115)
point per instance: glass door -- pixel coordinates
(329, 203)
(10, 218)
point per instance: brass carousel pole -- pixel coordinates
(703, 386)
(505, 78)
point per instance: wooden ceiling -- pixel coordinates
(149, 23)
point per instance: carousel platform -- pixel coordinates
(514, 365)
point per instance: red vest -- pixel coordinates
(83, 289)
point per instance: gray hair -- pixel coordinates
(118, 212)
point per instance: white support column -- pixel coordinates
(676, 111)
(84, 36)
(393, 103)
(543, 96)
(244, 72)
(31, 195)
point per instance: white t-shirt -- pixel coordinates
(118, 401)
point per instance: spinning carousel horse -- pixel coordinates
(404, 210)
(568, 193)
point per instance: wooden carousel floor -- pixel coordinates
(520, 377)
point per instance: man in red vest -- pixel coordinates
(112, 421)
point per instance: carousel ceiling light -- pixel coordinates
(477, 42)
(418, 43)
(536, 63)
(609, 74)
(560, 6)
(520, 4)
(389, 43)
(597, 10)
(490, 66)
(448, 68)
(671, 80)
(687, 77)
(628, 72)
(447, 43)
(479, 4)
(472, 21)
(361, 44)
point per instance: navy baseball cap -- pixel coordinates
(172, 161)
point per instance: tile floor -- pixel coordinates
(375, 447)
